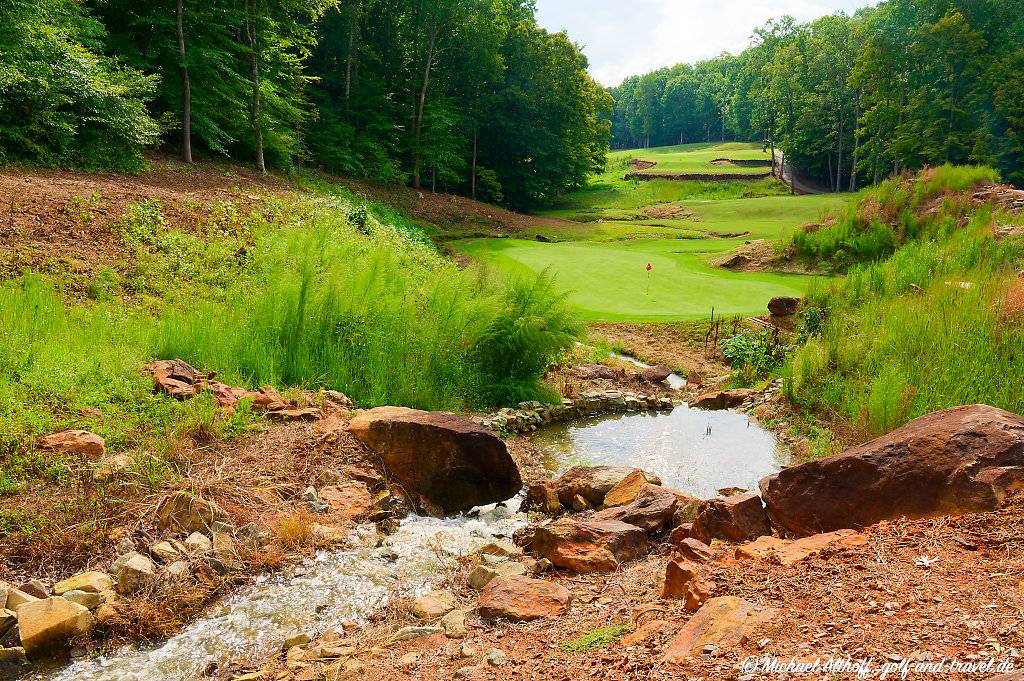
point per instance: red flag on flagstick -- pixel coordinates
(648, 267)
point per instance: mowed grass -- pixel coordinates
(600, 256)
(696, 158)
(610, 282)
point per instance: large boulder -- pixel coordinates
(594, 482)
(523, 598)
(722, 622)
(737, 518)
(452, 461)
(958, 460)
(652, 509)
(588, 545)
(50, 624)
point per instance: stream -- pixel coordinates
(694, 451)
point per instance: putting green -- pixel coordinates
(610, 282)
(696, 158)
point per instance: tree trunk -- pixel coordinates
(186, 87)
(856, 145)
(422, 105)
(839, 159)
(254, 72)
(472, 178)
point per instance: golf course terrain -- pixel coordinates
(610, 231)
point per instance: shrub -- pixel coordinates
(754, 354)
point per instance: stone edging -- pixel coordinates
(529, 415)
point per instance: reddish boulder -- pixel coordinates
(588, 545)
(176, 378)
(723, 622)
(788, 552)
(693, 549)
(452, 461)
(350, 500)
(724, 399)
(958, 460)
(594, 482)
(81, 442)
(520, 599)
(651, 511)
(738, 518)
(627, 490)
(683, 580)
(656, 374)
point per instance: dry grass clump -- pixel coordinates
(294, 530)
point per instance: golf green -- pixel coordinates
(610, 281)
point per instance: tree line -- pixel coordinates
(852, 99)
(462, 95)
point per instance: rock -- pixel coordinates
(35, 587)
(954, 461)
(296, 414)
(187, 513)
(409, 633)
(13, 663)
(656, 374)
(299, 639)
(17, 598)
(694, 549)
(683, 580)
(783, 306)
(409, 659)
(164, 552)
(594, 482)
(80, 442)
(432, 605)
(175, 377)
(644, 632)
(651, 511)
(134, 572)
(450, 460)
(681, 532)
(595, 371)
(50, 624)
(92, 582)
(177, 570)
(454, 624)
(522, 598)
(627, 490)
(579, 504)
(108, 468)
(8, 619)
(223, 551)
(722, 622)
(724, 399)
(482, 574)
(496, 657)
(542, 497)
(788, 552)
(740, 518)
(312, 500)
(197, 542)
(351, 500)
(501, 547)
(588, 546)
(87, 599)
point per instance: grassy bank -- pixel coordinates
(937, 323)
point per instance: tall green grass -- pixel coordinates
(898, 210)
(926, 329)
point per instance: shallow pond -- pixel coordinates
(692, 450)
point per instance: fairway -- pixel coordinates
(613, 228)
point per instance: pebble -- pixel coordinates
(496, 657)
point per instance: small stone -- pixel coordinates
(198, 542)
(409, 633)
(409, 659)
(164, 552)
(179, 569)
(36, 587)
(81, 442)
(467, 650)
(432, 605)
(85, 598)
(482, 575)
(92, 582)
(7, 620)
(501, 547)
(463, 672)
(135, 573)
(454, 624)
(496, 657)
(579, 504)
(299, 639)
(17, 598)
(13, 663)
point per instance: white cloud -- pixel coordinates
(626, 38)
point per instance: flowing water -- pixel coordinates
(692, 450)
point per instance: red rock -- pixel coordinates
(955, 461)
(724, 622)
(788, 552)
(588, 546)
(296, 414)
(725, 399)
(75, 442)
(683, 580)
(519, 598)
(656, 374)
(176, 378)
(651, 511)
(694, 549)
(738, 518)
(645, 632)
(594, 482)
(681, 532)
(351, 500)
(454, 462)
(627, 490)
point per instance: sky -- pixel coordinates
(628, 37)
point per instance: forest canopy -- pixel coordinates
(461, 95)
(853, 99)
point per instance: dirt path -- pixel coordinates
(792, 177)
